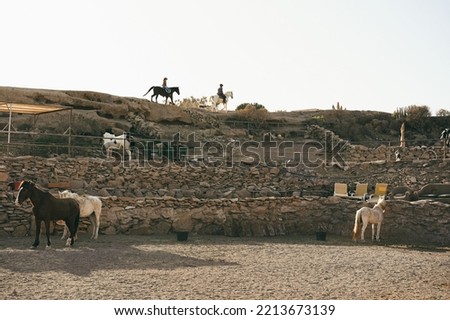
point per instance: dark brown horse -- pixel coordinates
(160, 91)
(48, 208)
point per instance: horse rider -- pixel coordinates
(220, 93)
(445, 136)
(164, 85)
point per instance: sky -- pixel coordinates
(284, 54)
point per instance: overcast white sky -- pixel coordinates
(284, 54)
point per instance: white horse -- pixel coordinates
(121, 142)
(369, 215)
(216, 101)
(89, 206)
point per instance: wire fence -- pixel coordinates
(49, 144)
(286, 151)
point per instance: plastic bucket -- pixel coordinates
(182, 236)
(321, 235)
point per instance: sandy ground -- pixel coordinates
(216, 267)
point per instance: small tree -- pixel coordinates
(415, 116)
(412, 113)
(443, 113)
(417, 113)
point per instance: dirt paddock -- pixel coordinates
(218, 267)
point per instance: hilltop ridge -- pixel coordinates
(95, 113)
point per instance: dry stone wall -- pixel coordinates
(352, 153)
(421, 221)
(142, 200)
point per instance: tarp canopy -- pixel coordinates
(33, 109)
(27, 108)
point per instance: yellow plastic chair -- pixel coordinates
(380, 190)
(360, 191)
(340, 190)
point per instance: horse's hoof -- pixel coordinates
(33, 247)
(48, 247)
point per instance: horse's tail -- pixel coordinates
(148, 91)
(77, 219)
(77, 222)
(357, 227)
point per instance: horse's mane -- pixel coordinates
(81, 199)
(46, 192)
(381, 204)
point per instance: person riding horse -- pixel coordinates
(164, 85)
(221, 94)
(445, 137)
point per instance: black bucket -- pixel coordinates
(321, 235)
(182, 236)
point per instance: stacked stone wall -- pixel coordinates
(408, 222)
(141, 200)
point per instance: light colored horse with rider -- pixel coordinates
(445, 137)
(90, 206)
(216, 101)
(368, 215)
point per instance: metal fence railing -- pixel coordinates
(279, 150)
(47, 144)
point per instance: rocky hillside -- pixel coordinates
(94, 113)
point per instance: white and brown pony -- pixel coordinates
(90, 206)
(368, 215)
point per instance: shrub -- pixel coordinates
(253, 112)
(443, 113)
(192, 102)
(257, 106)
(414, 115)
